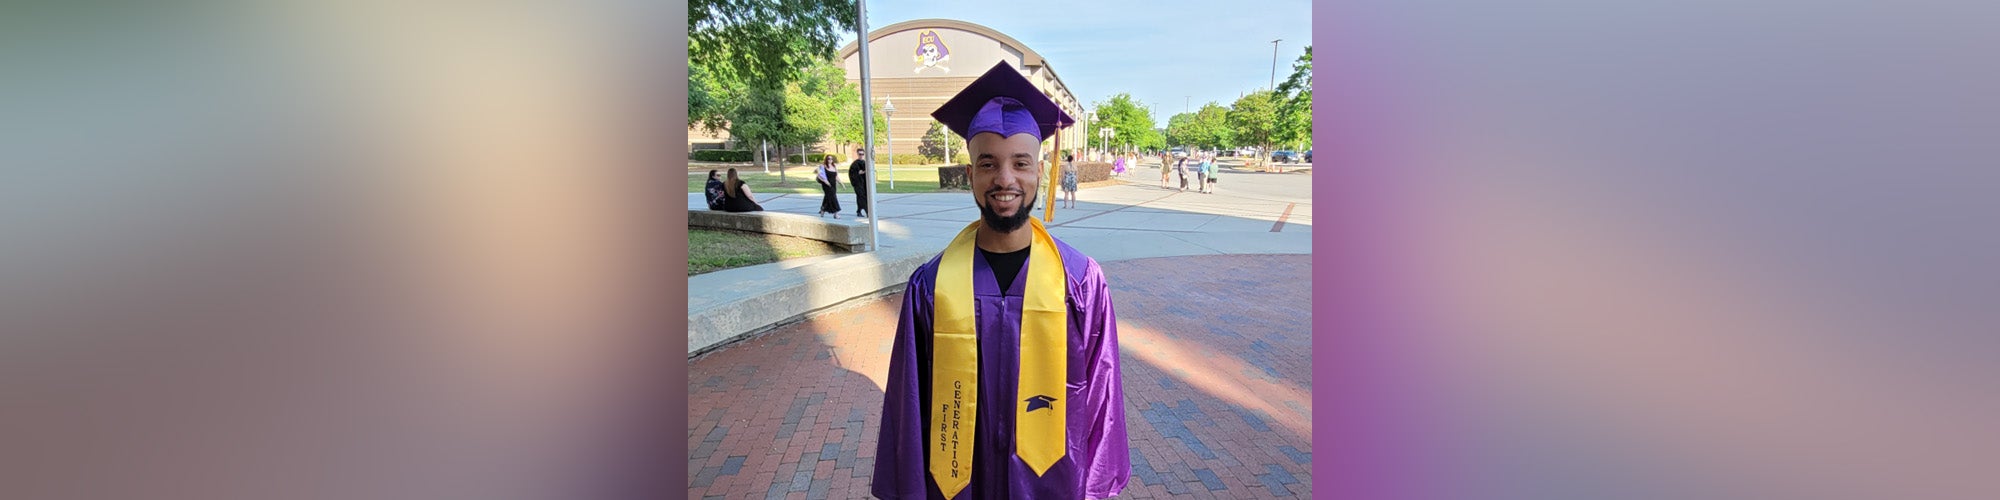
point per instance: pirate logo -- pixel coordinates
(931, 52)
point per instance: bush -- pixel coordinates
(911, 159)
(1092, 172)
(723, 155)
(813, 159)
(954, 177)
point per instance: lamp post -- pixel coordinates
(889, 110)
(1089, 118)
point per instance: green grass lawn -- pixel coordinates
(909, 179)
(711, 250)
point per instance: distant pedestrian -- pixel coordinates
(1213, 169)
(1118, 165)
(829, 182)
(1166, 165)
(857, 174)
(1069, 181)
(1201, 175)
(1181, 168)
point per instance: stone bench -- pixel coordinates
(851, 235)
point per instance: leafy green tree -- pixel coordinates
(1180, 131)
(1209, 129)
(767, 41)
(1253, 118)
(940, 140)
(758, 118)
(735, 46)
(1295, 104)
(1131, 123)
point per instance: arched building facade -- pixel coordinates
(920, 64)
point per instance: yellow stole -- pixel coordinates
(1040, 437)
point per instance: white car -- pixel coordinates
(1179, 152)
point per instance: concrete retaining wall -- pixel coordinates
(849, 234)
(731, 305)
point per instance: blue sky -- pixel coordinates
(1159, 51)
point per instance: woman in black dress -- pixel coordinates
(736, 197)
(829, 181)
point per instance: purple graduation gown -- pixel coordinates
(1096, 464)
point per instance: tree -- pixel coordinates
(1253, 118)
(768, 41)
(759, 117)
(939, 141)
(1209, 128)
(1131, 123)
(1180, 130)
(737, 45)
(827, 82)
(1295, 104)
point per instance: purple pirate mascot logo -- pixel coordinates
(931, 52)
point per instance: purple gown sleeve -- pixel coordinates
(1108, 463)
(899, 451)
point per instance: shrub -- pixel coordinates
(1092, 172)
(954, 177)
(813, 159)
(724, 155)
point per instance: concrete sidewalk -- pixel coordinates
(1130, 220)
(1216, 365)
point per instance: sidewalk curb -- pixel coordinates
(758, 299)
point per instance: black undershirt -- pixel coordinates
(1006, 266)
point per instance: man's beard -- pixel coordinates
(1009, 223)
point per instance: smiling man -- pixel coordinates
(1003, 380)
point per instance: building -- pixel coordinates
(920, 64)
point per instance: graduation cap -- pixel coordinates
(1003, 102)
(1039, 402)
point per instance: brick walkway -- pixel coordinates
(1217, 365)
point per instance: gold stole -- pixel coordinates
(1040, 438)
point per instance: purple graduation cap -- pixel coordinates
(1003, 102)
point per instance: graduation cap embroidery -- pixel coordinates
(1039, 402)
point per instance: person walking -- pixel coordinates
(857, 174)
(1069, 182)
(1201, 175)
(829, 182)
(1213, 169)
(1181, 168)
(1166, 165)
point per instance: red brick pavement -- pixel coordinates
(1216, 358)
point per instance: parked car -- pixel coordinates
(1309, 156)
(1179, 152)
(1284, 156)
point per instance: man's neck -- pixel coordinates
(998, 242)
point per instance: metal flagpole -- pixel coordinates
(868, 123)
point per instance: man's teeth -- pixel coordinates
(1006, 197)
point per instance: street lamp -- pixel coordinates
(1274, 64)
(889, 111)
(1089, 118)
